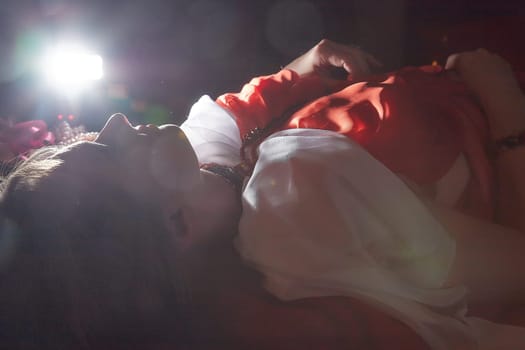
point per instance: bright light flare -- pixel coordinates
(71, 67)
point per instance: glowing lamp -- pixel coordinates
(71, 67)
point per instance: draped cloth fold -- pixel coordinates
(322, 216)
(417, 121)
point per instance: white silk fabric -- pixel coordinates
(321, 217)
(212, 133)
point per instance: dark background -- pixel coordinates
(160, 55)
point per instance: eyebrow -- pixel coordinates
(81, 147)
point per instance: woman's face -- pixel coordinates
(153, 160)
(102, 209)
(158, 165)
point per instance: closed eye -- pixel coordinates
(84, 147)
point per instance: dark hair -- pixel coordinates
(79, 262)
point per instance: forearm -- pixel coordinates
(487, 256)
(507, 117)
(510, 205)
(505, 112)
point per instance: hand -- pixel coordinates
(491, 79)
(328, 54)
(488, 75)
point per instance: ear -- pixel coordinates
(176, 223)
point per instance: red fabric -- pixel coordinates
(243, 316)
(415, 121)
(323, 323)
(267, 97)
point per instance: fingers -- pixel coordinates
(460, 60)
(372, 60)
(452, 61)
(487, 75)
(362, 62)
(352, 59)
(358, 63)
(327, 54)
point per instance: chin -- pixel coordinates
(173, 161)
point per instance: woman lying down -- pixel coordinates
(367, 200)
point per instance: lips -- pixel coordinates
(148, 129)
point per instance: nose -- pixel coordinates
(116, 130)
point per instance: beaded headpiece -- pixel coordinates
(18, 140)
(65, 134)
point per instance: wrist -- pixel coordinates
(506, 115)
(502, 98)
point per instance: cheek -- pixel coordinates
(174, 165)
(136, 174)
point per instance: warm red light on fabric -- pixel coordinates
(386, 108)
(414, 121)
(343, 123)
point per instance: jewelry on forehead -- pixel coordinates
(65, 134)
(19, 140)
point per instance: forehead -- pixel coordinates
(85, 164)
(89, 179)
(95, 169)
(56, 185)
(86, 158)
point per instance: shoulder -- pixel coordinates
(213, 133)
